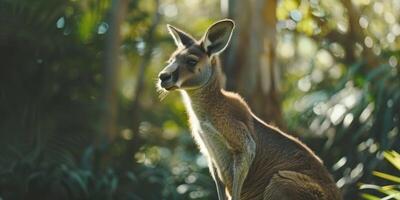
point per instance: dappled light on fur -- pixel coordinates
(242, 150)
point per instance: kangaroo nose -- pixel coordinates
(165, 76)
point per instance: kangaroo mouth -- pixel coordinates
(174, 87)
(168, 85)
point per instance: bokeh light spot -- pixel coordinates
(60, 23)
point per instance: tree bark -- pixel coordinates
(356, 34)
(146, 58)
(112, 52)
(251, 62)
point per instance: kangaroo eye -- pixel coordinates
(191, 62)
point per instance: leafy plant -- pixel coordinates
(33, 177)
(391, 191)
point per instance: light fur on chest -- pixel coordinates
(209, 139)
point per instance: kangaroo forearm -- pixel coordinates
(238, 137)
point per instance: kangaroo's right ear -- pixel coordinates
(218, 36)
(181, 38)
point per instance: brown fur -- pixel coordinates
(276, 151)
(248, 159)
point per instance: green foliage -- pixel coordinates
(34, 178)
(391, 191)
(345, 101)
(359, 115)
(52, 82)
(49, 76)
(51, 102)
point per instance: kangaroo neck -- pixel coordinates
(202, 100)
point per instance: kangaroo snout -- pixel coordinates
(165, 76)
(166, 80)
(168, 77)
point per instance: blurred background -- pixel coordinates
(80, 117)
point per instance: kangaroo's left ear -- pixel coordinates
(217, 37)
(181, 38)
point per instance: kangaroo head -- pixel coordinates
(190, 66)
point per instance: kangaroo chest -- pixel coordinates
(212, 144)
(209, 139)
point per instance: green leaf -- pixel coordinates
(386, 176)
(369, 197)
(370, 186)
(391, 194)
(393, 157)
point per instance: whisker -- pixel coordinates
(162, 93)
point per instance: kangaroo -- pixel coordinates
(248, 159)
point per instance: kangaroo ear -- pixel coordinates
(218, 36)
(181, 38)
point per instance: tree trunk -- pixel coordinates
(356, 34)
(251, 62)
(144, 63)
(112, 68)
